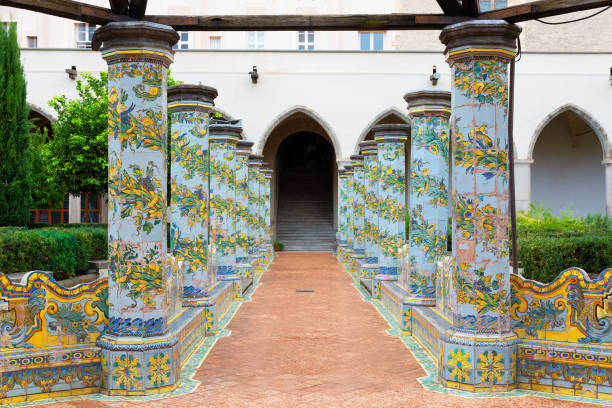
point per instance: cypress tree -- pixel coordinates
(15, 179)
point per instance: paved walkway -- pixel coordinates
(326, 348)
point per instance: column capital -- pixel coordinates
(428, 102)
(368, 148)
(243, 147)
(391, 133)
(357, 160)
(225, 131)
(480, 38)
(348, 170)
(191, 98)
(255, 159)
(132, 41)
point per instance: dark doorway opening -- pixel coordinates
(305, 165)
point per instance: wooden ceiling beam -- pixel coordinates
(120, 6)
(543, 8)
(344, 22)
(73, 10)
(451, 7)
(138, 8)
(470, 7)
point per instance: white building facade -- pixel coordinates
(339, 84)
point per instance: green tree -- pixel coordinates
(77, 155)
(15, 180)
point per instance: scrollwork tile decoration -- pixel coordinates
(391, 158)
(190, 107)
(428, 212)
(223, 209)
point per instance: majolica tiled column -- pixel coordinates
(479, 53)
(369, 152)
(143, 287)
(350, 200)
(430, 112)
(241, 228)
(222, 140)
(343, 213)
(391, 158)
(255, 255)
(268, 244)
(190, 106)
(261, 214)
(358, 214)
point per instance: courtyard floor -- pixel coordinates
(326, 348)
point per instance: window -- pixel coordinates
(84, 35)
(90, 207)
(215, 43)
(32, 42)
(50, 215)
(256, 40)
(184, 42)
(371, 41)
(488, 5)
(306, 40)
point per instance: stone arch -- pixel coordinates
(41, 118)
(301, 126)
(567, 147)
(390, 115)
(584, 115)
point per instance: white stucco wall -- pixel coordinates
(346, 91)
(568, 176)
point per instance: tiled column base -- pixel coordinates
(150, 365)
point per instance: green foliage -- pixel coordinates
(279, 246)
(15, 180)
(548, 244)
(76, 159)
(44, 190)
(543, 258)
(77, 155)
(63, 251)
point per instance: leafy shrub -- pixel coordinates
(63, 251)
(279, 246)
(543, 258)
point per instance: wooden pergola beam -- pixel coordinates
(344, 22)
(470, 8)
(542, 8)
(451, 7)
(73, 10)
(138, 8)
(120, 6)
(79, 11)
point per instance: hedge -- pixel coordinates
(64, 251)
(543, 258)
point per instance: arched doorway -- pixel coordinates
(567, 172)
(302, 154)
(305, 219)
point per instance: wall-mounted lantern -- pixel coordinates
(72, 72)
(434, 76)
(254, 75)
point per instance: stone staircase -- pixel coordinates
(305, 225)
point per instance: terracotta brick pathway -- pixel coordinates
(321, 349)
